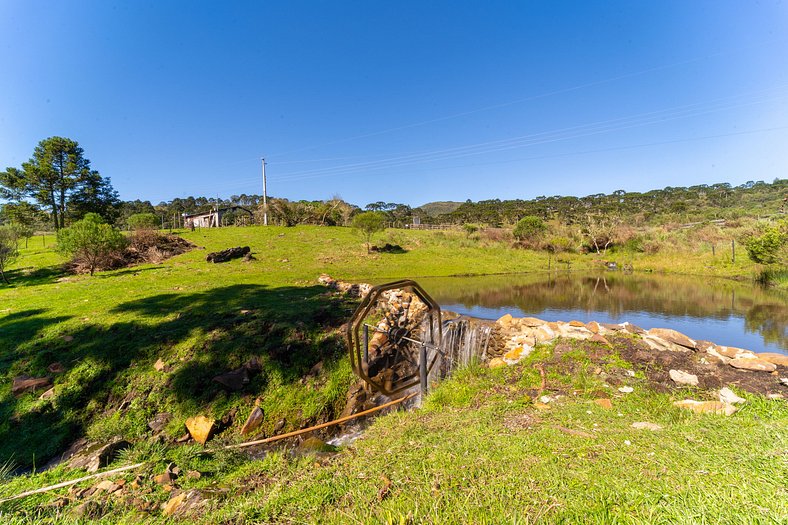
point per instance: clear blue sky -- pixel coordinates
(400, 101)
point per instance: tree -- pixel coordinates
(90, 241)
(57, 177)
(9, 250)
(23, 217)
(368, 224)
(142, 221)
(529, 228)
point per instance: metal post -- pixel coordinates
(423, 368)
(265, 197)
(366, 343)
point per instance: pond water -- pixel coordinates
(723, 311)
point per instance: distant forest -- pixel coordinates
(668, 205)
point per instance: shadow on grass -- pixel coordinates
(25, 277)
(199, 335)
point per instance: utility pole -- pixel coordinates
(265, 196)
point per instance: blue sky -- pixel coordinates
(400, 101)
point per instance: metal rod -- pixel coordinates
(423, 368)
(366, 343)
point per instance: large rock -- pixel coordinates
(673, 336)
(774, 358)
(234, 380)
(681, 377)
(228, 254)
(727, 395)
(755, 364)
(201, 428)
(24, 384)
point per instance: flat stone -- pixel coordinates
(531, 322)
(681, 377)
(94, 456)
(706, 407)
(56, 368)
(605, 403)
(159, 365)
(727, 395)
(577, 324)
(596, 338)
(732, 352)
(49, 394)
(757, 365)
(513, 356)
(634, 329)
(614, 327)
(626, 389)
(159, 421)
(673, 336)
(505, 321)
(645, 425)
(593, 327)
(254, 421)
(22, 384)
(234, 380)
(201, 428)
(774, 358)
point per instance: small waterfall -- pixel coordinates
(464, 341)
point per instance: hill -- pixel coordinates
(433, 209)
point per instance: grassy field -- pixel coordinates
(201, 320)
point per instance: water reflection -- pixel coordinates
(720, 310)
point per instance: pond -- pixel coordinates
(723, 311)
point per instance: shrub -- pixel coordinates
(90, 241)
(8, 249)
(529, 228)
(770, 246)
(142, 221)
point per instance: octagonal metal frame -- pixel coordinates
(357, 320)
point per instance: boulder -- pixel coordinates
(732, 352)
(201, 428)
(22, 384)
(593, 327)
(755, 364)
(706, 407)
(596, 338)
(681, 377)
(254, 421)
(673, 336)
(633, 329)
(505, 321)
(531, 322)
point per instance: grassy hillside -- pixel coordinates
(199, 320)
(433, 209)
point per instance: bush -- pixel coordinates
(142, 221)
(770, 246)
(90, 242)
(368, 224)
(529, 228)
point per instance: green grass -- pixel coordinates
(454, 461)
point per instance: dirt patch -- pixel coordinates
(656, 365)
(144, 247)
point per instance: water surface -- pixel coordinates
(720, 310)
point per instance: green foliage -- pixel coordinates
(470, 229)
(769, 246)
(8, 249)
(58, 177)
(90, 241)
(368, 224)
(142, 221)
(529, 228)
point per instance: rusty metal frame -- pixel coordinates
(357, 350)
